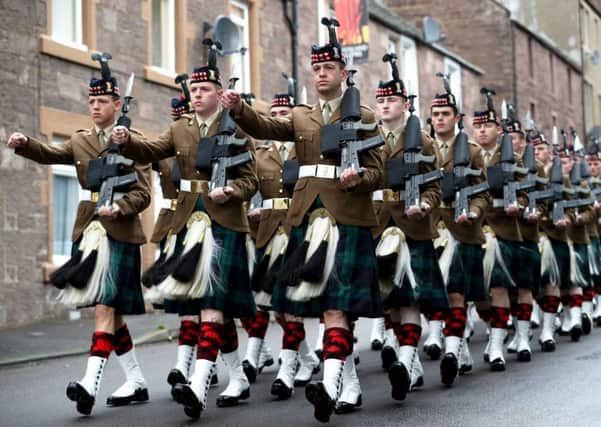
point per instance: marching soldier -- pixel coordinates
(502, 260)
(555, 273)
(211, 227)
(275, 162)
(462, 257)
(529, 283)
(594, 162)
(330, 266)
(406, 231)
(105, 268)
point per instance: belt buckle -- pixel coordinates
(173, 204)
(391, 196)
(321, 171)
(199, 186)
(280, 203)
(94, 197)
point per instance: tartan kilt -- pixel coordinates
(430, 292)
(466, 275)
(353, 284)
(561, 250)
(512, 253)
(232, 294)
(582, 260)
(123, 284)
(527, 270)
(596, 252)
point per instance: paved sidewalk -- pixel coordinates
(63, 337)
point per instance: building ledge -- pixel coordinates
(79, 55)
(160, 76)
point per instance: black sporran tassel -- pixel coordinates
(186, 267)
(81, 273)
(387, 265)
(60, 276)
(166, 268)
(148, 278)
(272, 275)
(259, 273)
(289, 273)
(312, 270)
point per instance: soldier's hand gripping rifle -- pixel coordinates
(405, 172)
(455, 185)
(556, 183)
(344, 139)
(534, 197)
(502, 177)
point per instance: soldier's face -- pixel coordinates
(566, 165)
(328, 76)
(519, 142)
(542, 153)
(444, 120)
(391, 108)
(102, 109)
(595, 167)
(279, 111)
(205, 97)
(487, 134)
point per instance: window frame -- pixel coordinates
(412, 87)
(245, 83)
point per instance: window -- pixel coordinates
(392, 45)
(67, 22)
(532, 111)
(70, 30)
(324, 8)
(408, 68)
(588, 105)
(66, 194)
(241, 63)
(163, 34)
(453, 69)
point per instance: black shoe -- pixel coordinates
(586, 324)
(433, 351)
(524, 356)
(576, 333)
(597, 322)
(268, 362)
(176, 377)
(214, 380)
(317, 395)
(388, 356)
(562, 332)
(183, 394)
(449, 367)
(140, 395)
(346, 407)
(485, 357)
(281, 390)
(400, 380)
(77, 393)
(357, 360)
(376, 345)
(464, 369)
(250, 371)
(318, 353)
(497, 365)
(229, 401)
(547, 346)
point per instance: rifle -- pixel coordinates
(222, 164)
(556, 179)
(404, 172)
(342, 139)
(455, 184)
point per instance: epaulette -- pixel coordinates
(185, 115)
(136, 131)
(368, 108)
(309, 106)
(471, 141)
(87, 132)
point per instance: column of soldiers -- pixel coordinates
(344, 214)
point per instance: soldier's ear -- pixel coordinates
(117, 103)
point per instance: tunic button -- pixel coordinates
(321, 157)
(78, 162)
(178, 153)
(281, 191)
(281, 171)
(281, 180)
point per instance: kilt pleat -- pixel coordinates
(466, 275)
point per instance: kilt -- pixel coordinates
(582, 261)
(353, 284)
(596, 252)
(123, 285)
(529, 256)
(511, 253)
(466, 275)
(430, 292)
(232, 294)
(561, 250)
